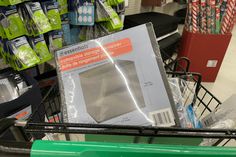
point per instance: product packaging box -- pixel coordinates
(206, 52)
(117, 79)
(11, 22)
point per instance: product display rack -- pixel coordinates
(59, 16)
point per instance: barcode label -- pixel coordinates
(162, 117)
(209, 120)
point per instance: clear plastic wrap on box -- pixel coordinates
(117, 79)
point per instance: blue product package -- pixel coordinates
(86, 15)
(81, 12)
(192, 117)
(72, 17)
(55, 40)
(75, 31)
(66, 33)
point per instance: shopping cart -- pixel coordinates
(49, 110)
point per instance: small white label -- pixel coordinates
(162, 117)
(212, 63)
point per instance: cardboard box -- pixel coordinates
(206, 52)
(116, 80)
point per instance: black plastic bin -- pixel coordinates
(162, 23)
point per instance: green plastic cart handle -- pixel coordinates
(88, 149)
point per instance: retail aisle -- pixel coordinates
(225, 84)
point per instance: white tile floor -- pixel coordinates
(225, 84)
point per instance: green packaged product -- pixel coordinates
(10, 2)
(11, 60)
(23, 55)
(40, 47)
(114, 24)
(11, 22)
(55, 40)
(114, 2)
(27, 21)
(1, 47)
(4, 51)
(2, 32)
(51, 10)
(103, 11)
(39, 19)
(7, 55)
(63, 6)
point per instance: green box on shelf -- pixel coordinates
(40, 47)
(55, 40)
(11, 22)
(2, 33)
(23, 55)
(114, 2)
(51, 10)
(63, 6)
(39, 20)
(114, 24)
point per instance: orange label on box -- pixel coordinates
(96, 54)
(21, 115)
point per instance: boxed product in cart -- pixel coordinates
(117, 79)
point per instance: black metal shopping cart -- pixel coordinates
(45, 123)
